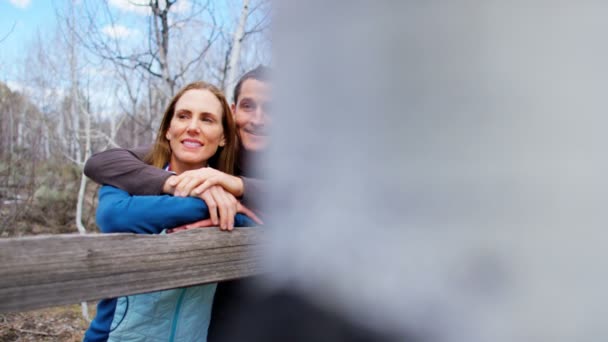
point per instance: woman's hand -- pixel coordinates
(222, 206)
(196, 182)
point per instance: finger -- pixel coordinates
(181, 182)
(232, 209)
(173, 181)
(176, 229)
(204, 186)
(231, 203)
(200, 224)
(228, 207)
(223, 206)
(244, 210)
(187, 184)
(212, 205)
(190, 180)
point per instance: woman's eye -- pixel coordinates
(182, 116)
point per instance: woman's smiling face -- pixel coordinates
(196, 130)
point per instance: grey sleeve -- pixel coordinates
(255, 190)
(125, 169)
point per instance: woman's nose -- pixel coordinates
(193, 126)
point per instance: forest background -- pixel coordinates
(81, 76)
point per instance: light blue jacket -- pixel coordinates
(164, 316)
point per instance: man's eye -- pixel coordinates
(247, 105)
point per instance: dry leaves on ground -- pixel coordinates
(63, 323)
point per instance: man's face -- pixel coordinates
(251, 114)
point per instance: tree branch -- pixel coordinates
(9, 32)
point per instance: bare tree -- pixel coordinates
(235, 52)
(241, 44)
(155, 58)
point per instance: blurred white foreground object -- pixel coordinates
(440, 167)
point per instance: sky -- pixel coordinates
(24, 18)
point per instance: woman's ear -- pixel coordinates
(222, 141)
(168, 135)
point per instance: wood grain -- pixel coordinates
(43, 271)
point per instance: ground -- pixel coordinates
(62, 323)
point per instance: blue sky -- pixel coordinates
(27, 16)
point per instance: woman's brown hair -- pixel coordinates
(225, 157)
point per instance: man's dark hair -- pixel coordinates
(260, 73)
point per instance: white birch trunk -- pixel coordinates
(81, 194)
(11, 125)
(162, 42)
(60, 130)
(20, 128)
(73, 103)
(235, 54)
(81, 229)
(46, 143)
(76, 139)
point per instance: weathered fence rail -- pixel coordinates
(43, 271)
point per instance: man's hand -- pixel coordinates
(196, 182)
(167, 187)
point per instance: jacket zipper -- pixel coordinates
(176, 315)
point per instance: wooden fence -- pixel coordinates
(43, 271)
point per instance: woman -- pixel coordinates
(197, 131)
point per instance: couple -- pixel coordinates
(198, 158)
